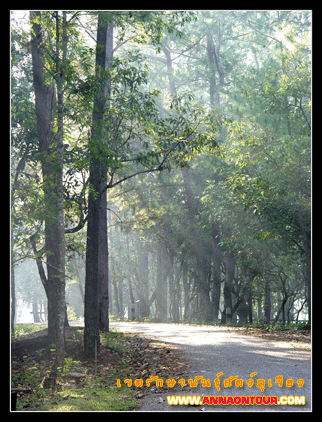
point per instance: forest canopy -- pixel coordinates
(161, 166)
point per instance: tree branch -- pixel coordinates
(79, 226)
(264, 35)
(303, 112)
(112, 185)
(41, 270)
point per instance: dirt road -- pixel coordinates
(212, 350)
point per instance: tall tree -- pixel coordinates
(96, 281)
(51, 156)
(61, 59)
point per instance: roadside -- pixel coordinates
(297, 338)
(83, 384)
(165, 352)
(266, 362)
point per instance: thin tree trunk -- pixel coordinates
(143, 285)
(307, 251)
(267, 293)
(186, 289)
(215, 269)
(215, 64)
(103, 296)
(250, 302)
(60, 233)
(213, 90)
(230, 270)
(13, 296)
(161, 285)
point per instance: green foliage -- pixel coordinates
(22, 329)
(249, 159)
(114, 340)
(29, 379)
(85, 399)
(280, 325)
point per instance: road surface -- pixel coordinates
(211, 350)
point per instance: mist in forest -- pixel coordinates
(202, 154)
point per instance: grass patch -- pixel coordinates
(279, 325)
(95, 391)
(23, 329)
(115, 340)
(82, 400)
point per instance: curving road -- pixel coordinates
(214, 349)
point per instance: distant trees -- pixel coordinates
(238, 208)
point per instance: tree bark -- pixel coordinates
(230, 270)
(143, 280)
(169, 69)
(267, 293)
(103, 296)
(216, 253)
(96, 278)
(161, 285)
(307, 251)
(60, 230)
(13, 296)
(215, 63)
(45, 101)
(173, 290)
(213, 90)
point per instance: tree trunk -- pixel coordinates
(60, 229)
(250, 302)
(169, 69)
(103, 296)
(216, 252)
(213, 90)
(173, 290)
(213, 51)
(131, 311)
(186, 289)
(161, 285)
(116, 297)
(267, 294)
(96, 279)
(35, 311)
(143, 281)
(91, 314)
(259, 308)
(267, 304)
(230, 270)
(307, 251)
(13, 296)
(45, 101)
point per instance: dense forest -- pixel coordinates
(160, 167)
